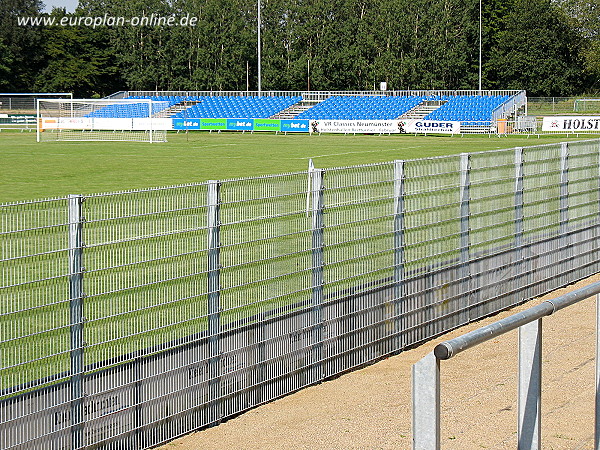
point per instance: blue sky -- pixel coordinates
(70, 5)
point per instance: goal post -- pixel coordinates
(586, 105)
(136, 120)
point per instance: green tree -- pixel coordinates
(5, 66)
(22, 56)
(585, 18)
(537, 51)
(79, 60)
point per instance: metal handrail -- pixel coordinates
(453, 347)
(426, 372)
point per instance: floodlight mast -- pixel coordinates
(259, 48)
(480, 47)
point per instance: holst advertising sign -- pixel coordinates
(572, 124)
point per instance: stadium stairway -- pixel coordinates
(292, 111)
(175, 109)
(423, 109)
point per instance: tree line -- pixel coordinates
(548, 47)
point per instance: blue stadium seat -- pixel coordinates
(361, 107)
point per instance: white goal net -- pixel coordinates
(586, 105)
(138, 120)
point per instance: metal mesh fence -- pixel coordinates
(130, 318)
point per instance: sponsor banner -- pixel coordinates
(296, 126)
(354, 126)
(157, 123)
(16, 119)
(267, 125)
(213, 124)
(384, 126)
(240, 124)
(572, 124)
(186, 124)
(109, 123)
(428, 126)
(105, 123)
(62, 123)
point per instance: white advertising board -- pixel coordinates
(106, 123)
(572, 124)
(430, 126)
(385, 126)
(354, 126)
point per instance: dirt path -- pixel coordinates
(371, 408)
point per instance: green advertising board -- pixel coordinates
(267, 125)
(213, 124)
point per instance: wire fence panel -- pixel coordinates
(130, 318)
(145, 278)
(493, 274)
(432, 227)
(583, 200)
(34, 310)
(358, 261)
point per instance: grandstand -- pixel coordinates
(477, 111)
(469, 109)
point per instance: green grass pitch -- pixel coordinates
(34, 170)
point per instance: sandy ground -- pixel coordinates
(371, 408)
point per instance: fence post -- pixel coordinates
(426, 403)
(214, 306)
(530, 385)
(564, 187)
(76, 296)
(401, 310)
(564, 207)
(464, 236)
(317, 272)
(598, 216)
(521, 266)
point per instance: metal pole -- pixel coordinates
(530, 386)
(522, 267)
(464, 235)
(150, 114)
(597, 227)
(597, 387)
(38, 120)
(565, 239)
(317, 272)
(480, 45)
(76, 295)
(564, 187)
(426, 403)
(401, 310)
(214, 306)
(259, 49)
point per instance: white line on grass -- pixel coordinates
(216, 145)
(362, 151)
